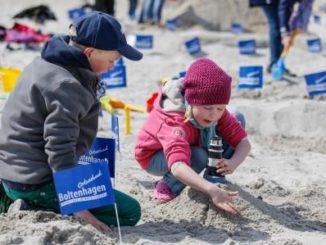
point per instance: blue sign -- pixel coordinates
(115, 78)
(236, 28)
(314, 45)
(316, 83)
(83, 187)
(182, 74)
(193, 46)
(172, 25)
(317, 19)
(144, 41)
(119, 62)
(250, 77)
(115, 130)
(102, 150)
(76, 13)
(247, 46)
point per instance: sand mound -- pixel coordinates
(47, 228)
(212, 15)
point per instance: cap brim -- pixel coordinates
(130, 53)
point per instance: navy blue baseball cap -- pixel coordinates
(102, 31)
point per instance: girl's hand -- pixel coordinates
(91, 219)
(224, 199)
(225, 167)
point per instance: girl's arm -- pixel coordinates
(227, 166)
(241, 152)
(220, 198)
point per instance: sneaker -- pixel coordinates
(17, 205)
(162, 192)
(287, 72)
(5, 201)
(220, 179)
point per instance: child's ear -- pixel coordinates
(88, 51)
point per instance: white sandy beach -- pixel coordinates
(282, 184)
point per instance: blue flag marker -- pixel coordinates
(144, 41)
(119, 62)
(236, 28)
(76, 13)
(83, 187)
(250, 77)
(316, 83)
(115, 130)
(317, 19)
(102, 150)
(172, 25)
(115, 78)
(182, 74)
(193, 46)
(247, 46)
(314, 45)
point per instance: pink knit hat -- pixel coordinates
(206, 83)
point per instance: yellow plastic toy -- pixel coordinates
(8, 78)
(111, 104)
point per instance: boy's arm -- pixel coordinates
(91, 219)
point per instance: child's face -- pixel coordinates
(101, 60)
(206, 115)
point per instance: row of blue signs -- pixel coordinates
(251, 78)
(193, 46)
(249, 46)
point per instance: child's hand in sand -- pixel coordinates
(224, 199)
(91, 219)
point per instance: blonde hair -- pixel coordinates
(188, 113)
(73, 33)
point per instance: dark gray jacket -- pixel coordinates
(51, 117)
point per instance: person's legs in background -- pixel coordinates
(275, 40)
(147, 11)
(157, 11)
(106, 6)
(132, 9)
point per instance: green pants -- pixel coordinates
(45, 198)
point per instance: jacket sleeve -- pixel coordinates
(173, 138)
(285, 9)
(230, 129)
(66, 106)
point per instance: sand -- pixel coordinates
(281, 184)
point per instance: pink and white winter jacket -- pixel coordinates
(166, 129)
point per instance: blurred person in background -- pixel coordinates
(282, 21)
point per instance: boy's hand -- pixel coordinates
(225, 167)
(91, 219)
(224, 199)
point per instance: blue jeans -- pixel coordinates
(132, 8)
(157, 11)
(275, 40)
(152, 10)
(158, 165)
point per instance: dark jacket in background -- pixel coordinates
(284, 9)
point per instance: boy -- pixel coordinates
(51, 117)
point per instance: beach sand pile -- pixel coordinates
(281, 185)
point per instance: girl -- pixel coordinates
(173, 141)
